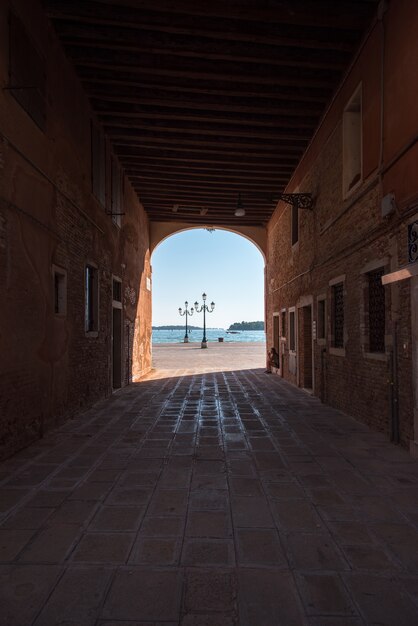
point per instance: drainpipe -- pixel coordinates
(323, 374)
(382, 8)
(394, 391)
(394, 388)
(128, 377)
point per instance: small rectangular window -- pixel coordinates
(352, 143)
(117, 290)
(283, 324)
(292, 331)
(321, 325)
(338, 315)
(295, 224)
(60, 290)
(98, 163)
(91, 299)
(27, 77)
(376, 321)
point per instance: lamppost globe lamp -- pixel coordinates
(205, 310)
(186, 312)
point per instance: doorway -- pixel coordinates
(117, 334)
(276, 336)
(305, 347)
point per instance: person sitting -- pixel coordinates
(273, 360)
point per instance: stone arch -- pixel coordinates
(160, 231)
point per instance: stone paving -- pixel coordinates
(219, 499)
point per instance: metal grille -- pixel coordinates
(413, 242)
(376, 311)
(338, 315)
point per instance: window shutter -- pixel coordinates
(27, 73)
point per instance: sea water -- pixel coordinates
(212, 334)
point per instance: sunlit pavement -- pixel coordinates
(210, 499)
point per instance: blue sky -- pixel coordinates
(226, 266)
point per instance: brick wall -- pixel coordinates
(49, 367)
(342, 237)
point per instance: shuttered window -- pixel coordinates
(98, 163)
(27, 79)
(338, 315)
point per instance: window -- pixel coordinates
(60, 290)
(321, 319)
(116, 192)
(92, 299)
(117, 290)
(283, 324)
(338, 315)
(276, 330)
(292, 331)
(27, 80)
(376, 317)
(295, 224)
(98, 163)
(352, 143)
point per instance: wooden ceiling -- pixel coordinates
(207, 99)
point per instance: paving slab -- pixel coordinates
(209, 494)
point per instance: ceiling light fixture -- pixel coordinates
(239, 211)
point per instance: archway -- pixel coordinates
(160, 231)
(231, 271)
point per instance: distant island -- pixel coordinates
(176, 327)
(247, 326)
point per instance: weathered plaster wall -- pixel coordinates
(49, 369)
(340, 237)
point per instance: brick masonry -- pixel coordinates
(50, 369)
(342, 237)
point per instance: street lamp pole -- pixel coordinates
(186, 313)
(205, 309)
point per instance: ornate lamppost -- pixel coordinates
(205, 309)
(186, 313)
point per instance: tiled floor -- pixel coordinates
(218, 499)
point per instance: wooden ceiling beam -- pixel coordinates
(157, 118)
(286, 56)
(129, 147)
(203, 191)
(124, 128)
(206, 179)
(196, 210)
(344, 15)
(130, 138)
(233, 172)
(104, 101)
(273, 94)
(203, 42)
(207, 172)
(208, 220)
(208, 194)
(233, 73)
(169, 156)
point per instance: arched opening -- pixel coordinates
(229, 268)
